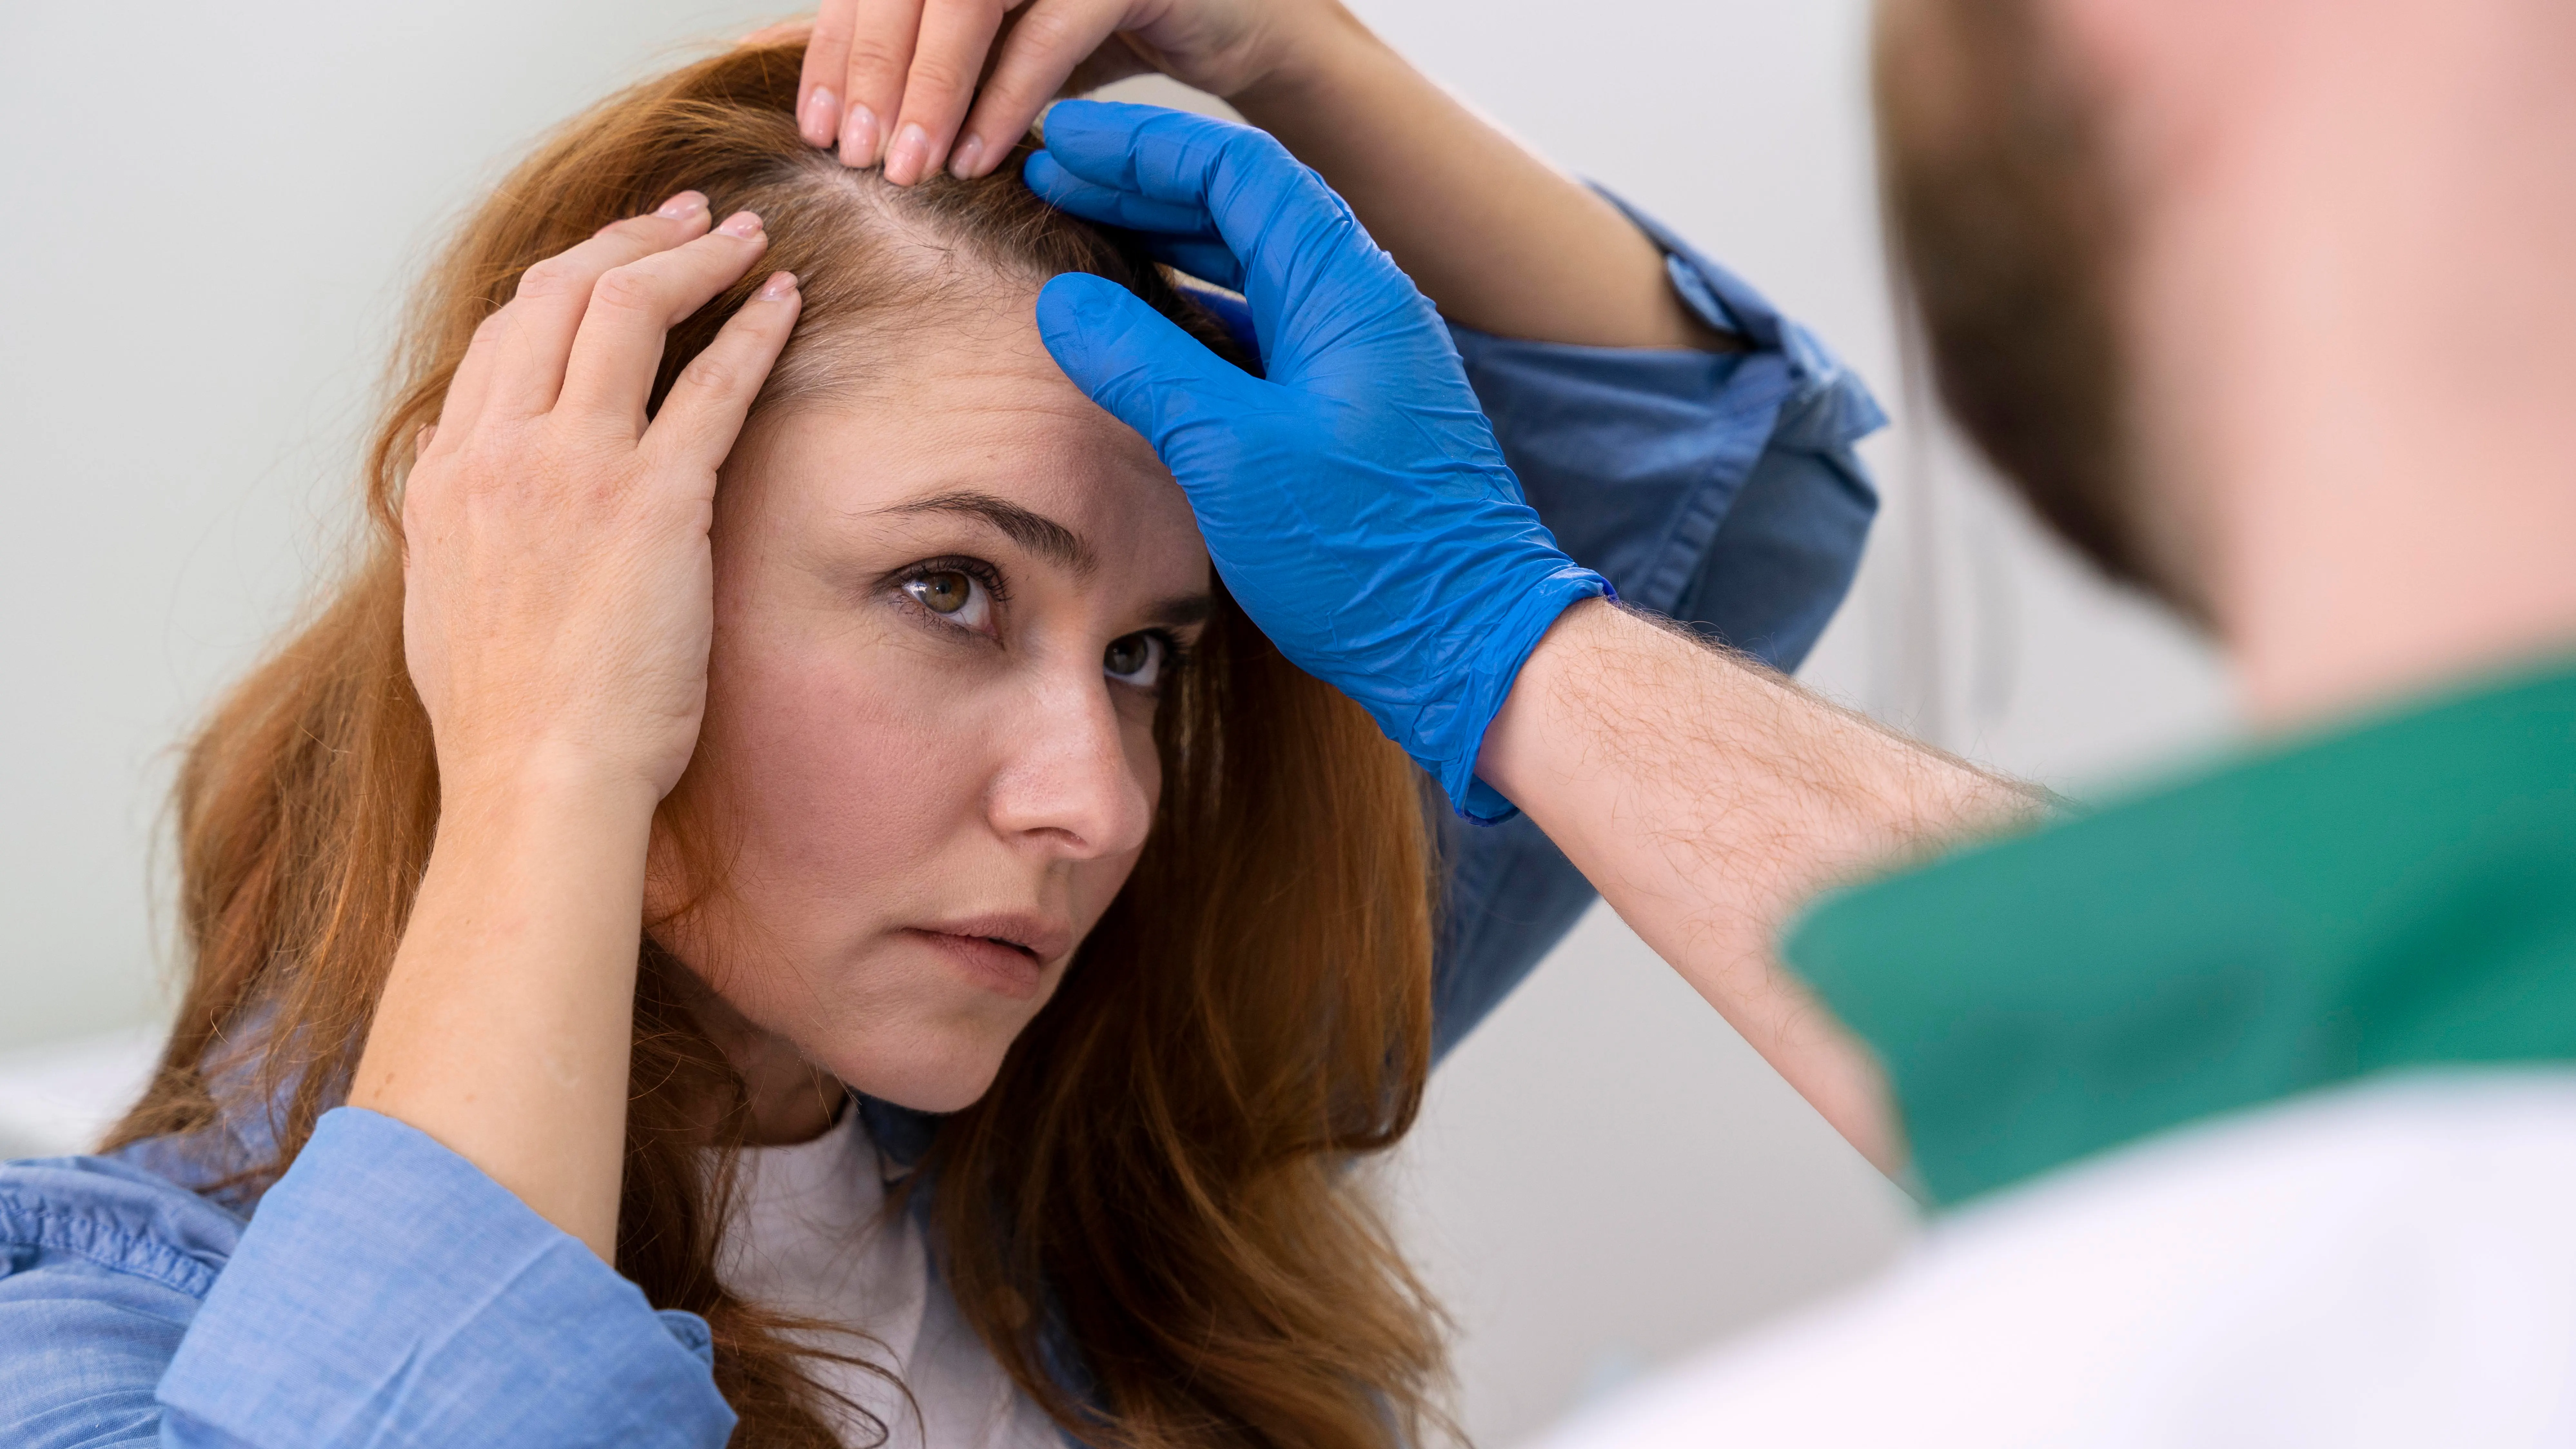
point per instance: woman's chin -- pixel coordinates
(927, 1074)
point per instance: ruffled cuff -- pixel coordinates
(388, 1292)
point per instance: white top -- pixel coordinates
(2388, 1264)
(809, 1236)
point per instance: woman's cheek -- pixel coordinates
(844, 752)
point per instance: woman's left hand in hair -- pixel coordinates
(557, 612)
(890, 81)
(557, 582)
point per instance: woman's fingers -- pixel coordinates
(699, 421)
(947, 57)
(619, 348)
(819, 93)
(893, 81)
(1039, 55)
(880, 51)
(462, 404)
(515, 367)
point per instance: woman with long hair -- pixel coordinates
(778, 896)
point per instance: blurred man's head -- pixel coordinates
(2010, 230)
(2267, 306)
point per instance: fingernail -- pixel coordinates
(779, 287)
(687, 203)
(969, 151)
(859, 136)
(820, 109)
(909, 154)
(742, 223)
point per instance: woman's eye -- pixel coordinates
(952, 594)
(1135, 659)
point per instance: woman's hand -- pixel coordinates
(890, 80)
(557, 605)
(1496, 237)
(557, 597)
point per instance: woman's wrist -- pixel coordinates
(503, 1030)
(533, 785)
(1318, 56)
(1498, 239)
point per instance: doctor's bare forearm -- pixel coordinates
(1709, 799)
(1497, 238)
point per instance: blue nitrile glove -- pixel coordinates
(1355, 501)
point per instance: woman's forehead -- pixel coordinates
(1047, 448)
(966, 419)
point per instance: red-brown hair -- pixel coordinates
(1161, 1175)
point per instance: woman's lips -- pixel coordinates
(998, 963)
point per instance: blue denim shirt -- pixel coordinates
(388, 1293)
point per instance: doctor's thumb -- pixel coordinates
(1138, 364)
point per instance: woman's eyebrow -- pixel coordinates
(1035, 532)
(1180, 610)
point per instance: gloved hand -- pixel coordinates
(1354, 500)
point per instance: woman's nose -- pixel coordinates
(1068, 781)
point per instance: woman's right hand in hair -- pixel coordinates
(557, 594)
(1497, 238)
(891, 80)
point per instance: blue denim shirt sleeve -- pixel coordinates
(386, 1293)
(102, 1266)
(1718, 489)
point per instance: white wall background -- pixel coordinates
(216, 211)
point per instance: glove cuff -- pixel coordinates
(1489, 680)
